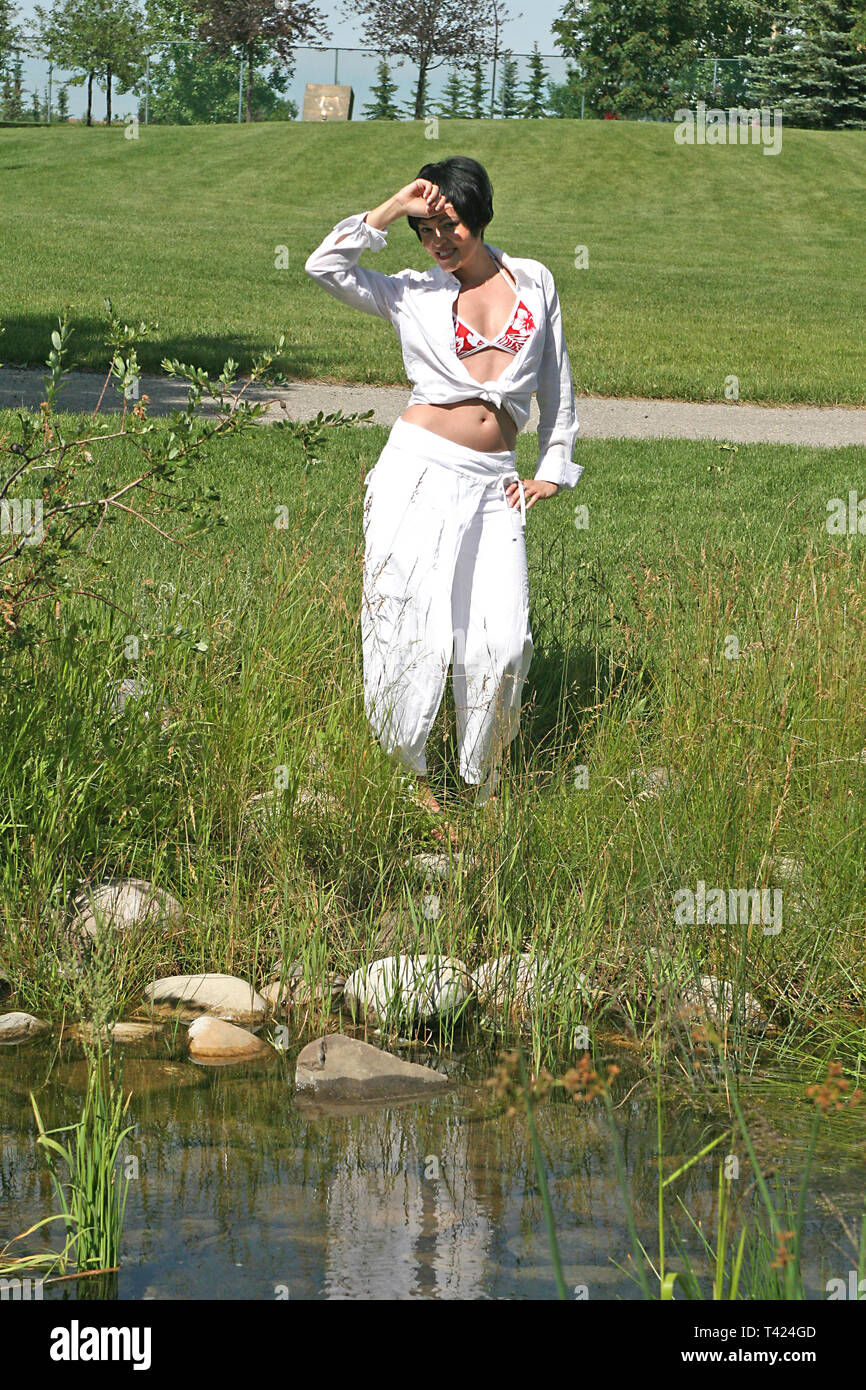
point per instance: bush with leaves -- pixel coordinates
(57, 489)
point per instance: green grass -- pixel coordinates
(688, 544)
(703, 262)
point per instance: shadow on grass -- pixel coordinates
(26, 342)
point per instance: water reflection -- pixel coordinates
(243, 1194)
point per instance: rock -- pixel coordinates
(131, 688)
(442, 866)
(517, 982)
(125, 1031)
(215, 1040)
(344, 1069)
(713, 1000)
(122, 903)
(220, 996)
(417, 988)
(17, 1027)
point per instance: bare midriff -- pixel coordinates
(475, 423)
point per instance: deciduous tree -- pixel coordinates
(260, 29)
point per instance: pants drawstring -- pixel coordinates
(515, 479)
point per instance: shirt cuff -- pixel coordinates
(558, 469)
(361, 232)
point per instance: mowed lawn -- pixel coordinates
(703, 262)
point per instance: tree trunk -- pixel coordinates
(89, 97)
(249, 115)
(420, 90)
(108, 95)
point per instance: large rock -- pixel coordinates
(344, 1069)
(17, 1027)
(122, 904)
(517, 983)
(212, 1039)
(221, 996)
(408, 989)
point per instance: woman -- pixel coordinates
(445, 555)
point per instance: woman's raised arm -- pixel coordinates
(334, 264)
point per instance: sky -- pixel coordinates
(354, 68)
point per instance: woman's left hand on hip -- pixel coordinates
(533, 490)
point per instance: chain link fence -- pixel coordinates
(179, 82)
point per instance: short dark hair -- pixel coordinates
(465, 183)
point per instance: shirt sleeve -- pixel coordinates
(557, 413)
(336, 269)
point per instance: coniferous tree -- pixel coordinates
(475, 94)
(565, 98)
(811, 68)
(427, 32)
(534, 105)
(63, 104)
(451, 103)
(509, 99)
(382, 107)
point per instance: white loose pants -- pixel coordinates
(445, 577)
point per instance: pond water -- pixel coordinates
(241, 1192)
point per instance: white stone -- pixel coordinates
(19, 1027)
(519, 981)
(221, 996)
(714, 1000)
(421, 988)
(123, 903)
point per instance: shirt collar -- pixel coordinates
(446, 277)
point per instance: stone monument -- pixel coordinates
(326, 101)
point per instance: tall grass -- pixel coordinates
(84, 1173)
(253, 658)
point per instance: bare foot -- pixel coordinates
(438, 833)
(424, 797)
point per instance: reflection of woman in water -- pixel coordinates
(445, 555)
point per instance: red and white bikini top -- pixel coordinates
(513, 337)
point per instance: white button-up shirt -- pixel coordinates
(419, 304)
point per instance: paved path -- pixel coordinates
(601, 417)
